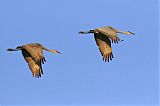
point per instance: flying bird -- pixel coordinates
(103, 37)
(33, 54)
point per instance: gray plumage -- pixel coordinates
(33, 55)
(103, 36)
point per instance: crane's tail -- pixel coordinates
(19, 47)
(11, 49)
(16, 49)
(86, 32)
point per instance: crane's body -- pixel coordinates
(102, 36)
(33, 54)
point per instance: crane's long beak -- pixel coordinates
(131, 33)
(55, 51)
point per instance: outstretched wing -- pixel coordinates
(104, 45)
(35, 68)
(35, 59)
(110, 32)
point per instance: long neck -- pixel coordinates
(44, 48)
(52, 51)
(123, 32)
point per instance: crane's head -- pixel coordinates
(129, 33)
(55, 51)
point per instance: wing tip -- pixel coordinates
(108, 57)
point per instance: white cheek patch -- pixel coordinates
(56, 51)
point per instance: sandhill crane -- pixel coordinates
(33, 55)
(102, 37)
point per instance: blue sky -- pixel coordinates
(79, 76)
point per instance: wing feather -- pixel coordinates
(104, 45)
(110, 32)
(34, 57)
(35, 51)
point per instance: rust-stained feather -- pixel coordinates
(35, 67)
(33, 54)
(110, 32)
(104, 45)
(103, 35)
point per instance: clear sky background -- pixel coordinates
(79, 76)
